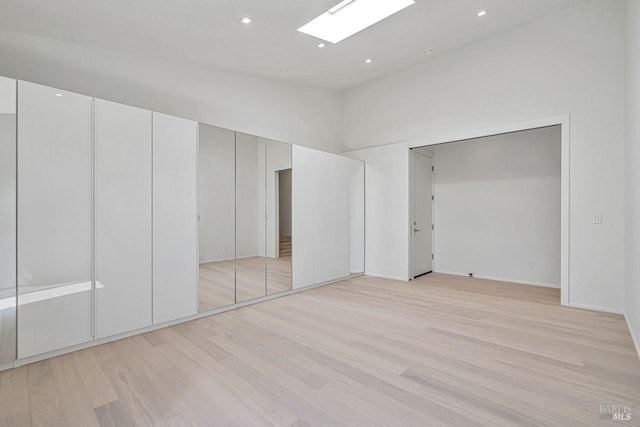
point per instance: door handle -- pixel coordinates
(415, 229)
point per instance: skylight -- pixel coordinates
(351, 16)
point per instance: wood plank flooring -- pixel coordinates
(442, 350)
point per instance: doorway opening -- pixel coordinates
(283, 212)
(497, 205)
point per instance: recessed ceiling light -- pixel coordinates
(368, 60)
(351, 16)
(58, 94)
(482, 13)
(321, 45)
(246, 20)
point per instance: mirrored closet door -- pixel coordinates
(216, 213)
(278, 205)
(250, 217)
(7, 220)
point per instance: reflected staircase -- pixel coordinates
(285, 246)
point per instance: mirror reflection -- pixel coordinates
(250, 217)
(7, 220)
(278, 179)
(216, 200)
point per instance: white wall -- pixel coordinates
(216, 193)
(632, 155)
(569, 62)
(387, 213)
(497, 206)
(270, 108)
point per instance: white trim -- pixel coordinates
(633, 336)
(500, 279)
(306, 288)
(4, 367)
(596, 308)
(385, 276)
(208, 261)
(564, 120)
(541, 122)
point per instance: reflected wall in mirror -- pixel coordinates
(216, 204)
(278, 205)
(250, 217)
(356, 215)
(7, 220)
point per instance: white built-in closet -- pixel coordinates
(103, 199)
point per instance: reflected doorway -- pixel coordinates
(280, 263)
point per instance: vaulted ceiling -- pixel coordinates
(208, 33)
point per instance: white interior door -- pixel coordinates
(422, 214)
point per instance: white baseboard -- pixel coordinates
(633, 335)
(384, 276)
(596, 308)
(500, 279)
(207, 261)
(306, 288)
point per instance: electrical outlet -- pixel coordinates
(597, 219)
(530, 263)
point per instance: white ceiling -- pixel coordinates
(208, 33)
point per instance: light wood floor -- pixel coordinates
(216, 288)
(442, 350)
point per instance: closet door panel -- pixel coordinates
(175, 262)
(303, 211)
(250, 218)
(356, 215)
(123, 234)
(7, 220)
(332, 217)
(278, 206)
(217, 217)
(54, 227)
